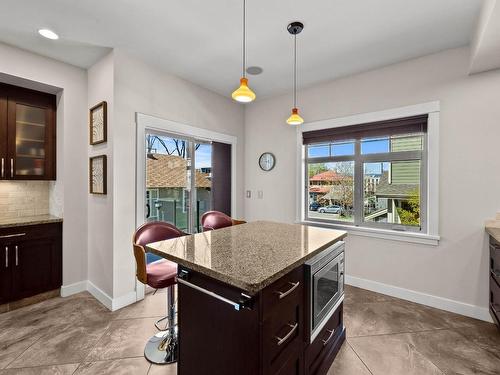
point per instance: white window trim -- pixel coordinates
(432, 109)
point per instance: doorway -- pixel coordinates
(182, 172)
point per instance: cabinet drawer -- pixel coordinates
(324, 340)
(280, 330)
(494, 295)
(287, 291)
(293, 365)
(495, 261)
(30, 232)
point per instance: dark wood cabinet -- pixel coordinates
(27, 134)
(5, 273)
(268, 338)
(494, 297)
(31, 260)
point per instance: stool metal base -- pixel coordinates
(162, 348)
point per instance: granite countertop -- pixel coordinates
(492, 227)
(248, 256)
(29, 220)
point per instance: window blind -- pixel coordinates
(407, 125)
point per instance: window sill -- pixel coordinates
(425, 239)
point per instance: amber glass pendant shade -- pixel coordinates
(243, 94)
(294, 118)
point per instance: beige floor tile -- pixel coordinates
(163, 370)
(67, 344)
(347, 363)
(56, 311)
(455, 354)
(124, 338)
(377, 318)
(393, 355)
(485, 335)
(42, 370)
(358, 295)
(150, 307)
(127, 366)
(14, 341)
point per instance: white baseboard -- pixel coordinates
(68, 290)
(457, 307)
(101, 296)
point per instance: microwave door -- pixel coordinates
(326, 290)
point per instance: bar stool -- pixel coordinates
(162, 348)
(212, 220)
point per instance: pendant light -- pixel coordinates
(243, 93)
(295, 28)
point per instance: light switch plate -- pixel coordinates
(249, 194)
(260, 194)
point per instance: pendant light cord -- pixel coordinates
(244, 36)
(295, 71)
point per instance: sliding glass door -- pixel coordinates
(178, 182)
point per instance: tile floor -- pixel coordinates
(77, 335)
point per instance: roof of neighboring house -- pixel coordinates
(319, 189)
(386, 190)
(326, 176)
(169, 171)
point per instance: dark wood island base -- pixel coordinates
(263, 334)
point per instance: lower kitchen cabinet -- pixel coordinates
(31, 260)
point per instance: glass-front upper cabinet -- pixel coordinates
(31, 135)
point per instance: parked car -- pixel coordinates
(332, 209)
(313, 206)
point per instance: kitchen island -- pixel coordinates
(244, 300)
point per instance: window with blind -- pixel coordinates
(371, 175)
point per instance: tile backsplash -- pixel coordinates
(23, 198)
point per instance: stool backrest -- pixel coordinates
(147, 233)
(215, 220)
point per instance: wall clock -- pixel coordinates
(267, 161)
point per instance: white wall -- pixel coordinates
(100, 207)
(142, 88)
(457, 269)
(68, 193)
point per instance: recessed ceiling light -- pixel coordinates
(254, 70)
(49, 34)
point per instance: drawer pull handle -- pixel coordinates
(6, 257)
(331, 332)
(282, 295)
(13, 235)
(3, 168)
(287, 336)
(17, 255)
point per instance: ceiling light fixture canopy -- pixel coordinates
(295, 28)
(49, 34)
(244, 94)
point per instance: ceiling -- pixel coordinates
(201, 40)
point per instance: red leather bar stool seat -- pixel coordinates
(212, 220)
(161, 274)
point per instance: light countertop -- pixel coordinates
(29, 220)
(249, 256)
(492, 227)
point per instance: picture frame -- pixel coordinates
(98, 123)
(98, 174)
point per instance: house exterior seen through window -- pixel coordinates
(373, 176)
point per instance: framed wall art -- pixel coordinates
(98, 126)
(98, 174)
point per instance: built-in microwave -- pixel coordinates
(325, 276)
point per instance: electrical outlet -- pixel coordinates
(260, 194)
(249, 194)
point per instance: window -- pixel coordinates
(371, 175)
